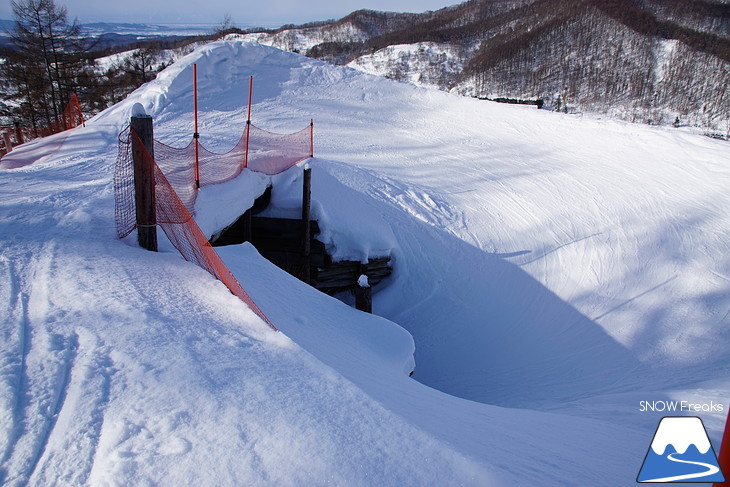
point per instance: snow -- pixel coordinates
(220, 205)
(303, 39)
(138, 110)
(369, 237)
(428, 64)
(664, 51)
(161, 57)
(362, 281)
(549, 273)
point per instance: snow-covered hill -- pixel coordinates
(653, 61)
(550, 272)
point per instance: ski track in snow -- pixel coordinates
(49, 384)
(12, 366)
(561, 268)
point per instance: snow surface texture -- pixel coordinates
(424, 64)
(552, 273)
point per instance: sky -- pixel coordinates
(243, 14)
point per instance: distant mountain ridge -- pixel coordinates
(110, 35)
(140, 28)
(651, 61)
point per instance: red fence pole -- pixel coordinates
(311, 137)
(723, 458)
(248, 121)
(196, 135)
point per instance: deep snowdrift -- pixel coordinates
(568, 268)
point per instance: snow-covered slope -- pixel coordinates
(552, 272)
(423, 64)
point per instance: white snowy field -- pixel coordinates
(550, 272)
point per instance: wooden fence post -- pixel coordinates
(306, 217)
(363, 291)
(144, 180)
(247, 232)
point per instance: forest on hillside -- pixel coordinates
(47, 57)
(648, 61)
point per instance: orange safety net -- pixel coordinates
(172, 216)
(71, 117)
(257, 149)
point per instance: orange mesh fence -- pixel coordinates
(257, 149)
(125, 216)
(71, 117)
(173, 217)
(175, 172)
(271, 153)
(179, 168)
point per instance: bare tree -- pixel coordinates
(142, 63)
(45, 60)
(227, 26)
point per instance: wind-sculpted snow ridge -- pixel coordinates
(551, 273)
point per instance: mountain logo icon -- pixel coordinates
(680, 452)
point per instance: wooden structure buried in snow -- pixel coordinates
(293, 247)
